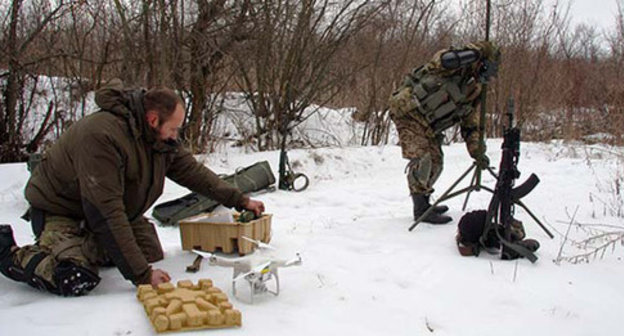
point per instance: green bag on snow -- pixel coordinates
(256, 177)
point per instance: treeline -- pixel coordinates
(286, 55)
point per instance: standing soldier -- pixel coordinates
(433, 98)
(89, 193)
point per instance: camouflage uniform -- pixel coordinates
(423, 148)
(67, 239)
(420, 141)
(61, 240)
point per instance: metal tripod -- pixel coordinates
(475, 185)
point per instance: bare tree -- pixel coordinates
(219, 25)
(398, 39)
(23, 31)
(288, 56)
(291, 63)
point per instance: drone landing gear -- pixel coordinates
(258, 284)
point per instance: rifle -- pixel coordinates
(287, 176)
(501, 209)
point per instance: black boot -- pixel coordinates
(421, 204)
(7, 246)
(439, 209)
(6, 240)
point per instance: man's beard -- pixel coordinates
(167, 141)
(170, 142)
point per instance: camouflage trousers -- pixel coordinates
(423, 148)
(66, 239)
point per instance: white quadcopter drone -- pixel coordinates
(257, 270)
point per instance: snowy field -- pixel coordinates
(363, 273)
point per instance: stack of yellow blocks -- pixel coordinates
(188, 306)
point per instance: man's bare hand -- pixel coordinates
(159, 276)
(256, 206)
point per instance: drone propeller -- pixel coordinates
(258, 243)
(294, 261)
(206, 255)
(221, 261)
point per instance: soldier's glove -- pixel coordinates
(482, 161)
(488, 70)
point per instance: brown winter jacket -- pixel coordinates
(108, 168)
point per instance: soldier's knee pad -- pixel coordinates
(419, 171)
(28, 274)
(68, 279)
(74, 280)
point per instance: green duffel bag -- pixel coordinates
(256, 177)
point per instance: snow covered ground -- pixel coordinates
(363, 273)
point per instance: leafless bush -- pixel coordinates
(591, 241)
(610, 183)
(292, 61)
(400, 36)
(596, 241)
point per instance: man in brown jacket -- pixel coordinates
(89, 194)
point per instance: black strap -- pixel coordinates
(37, 221)
(519, 249)
(34, 280)
(29, 270)
(491, 225)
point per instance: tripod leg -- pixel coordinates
(535, 218)
(442, 198)
(487, 189)
(475, 184)
(492, 172)
(472, 183)
(458, 192)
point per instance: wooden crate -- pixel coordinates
(198, 232)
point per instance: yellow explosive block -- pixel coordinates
(188, 306)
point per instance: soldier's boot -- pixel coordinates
(69, 279)
(7, 251)
(421, 204)
(14, 271)
(439, 209)
(74, 280)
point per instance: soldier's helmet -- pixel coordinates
(488, 50)
(490, 56)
